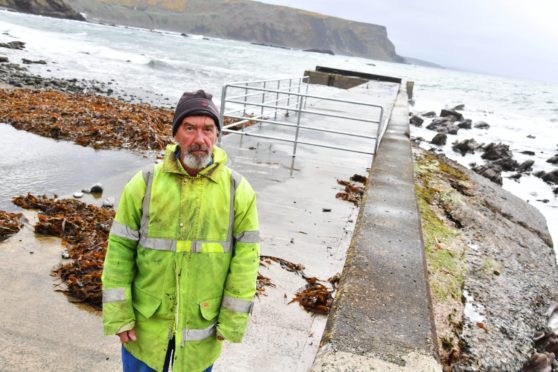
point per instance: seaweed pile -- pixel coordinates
(353, 193)
(84, 230)
(89, 120)
(315, 296)
(10, 224)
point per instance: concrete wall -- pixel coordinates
(382, 316)
(333, 80)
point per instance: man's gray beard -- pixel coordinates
(196, 162)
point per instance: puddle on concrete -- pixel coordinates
(31, 163)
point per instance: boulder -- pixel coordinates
(96, 189)
(555, 191)
(551, 177)
(482, 125)
(459, 107)
(452, 114)
(553, 160)
(13, 45)
(496, 151)
(526, 166)
(465, 146)
(429, 114)
(439, 139)
(539, 174)
(4, 59)
(527, 152)
(490, 171)
(28, 61)
(443, 125)
(416, 120)
(531, 136)
(465, 124)
(507, 164)
(515, 176)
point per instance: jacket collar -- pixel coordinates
(172, 164)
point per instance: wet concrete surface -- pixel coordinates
(41, 330)
(382, 319)
(284, 337)
(31, 163)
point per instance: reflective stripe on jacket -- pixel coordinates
(182, 262)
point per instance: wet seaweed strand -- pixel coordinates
(10, 224)
(84, 230)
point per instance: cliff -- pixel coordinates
(248, 21)
(49, 8)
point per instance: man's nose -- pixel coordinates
(199, 138)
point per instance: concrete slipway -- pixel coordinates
(41, 330)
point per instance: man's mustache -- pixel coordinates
(194, 148)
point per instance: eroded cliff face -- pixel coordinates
(248, 21)
(49, 8)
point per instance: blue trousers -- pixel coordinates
(132, 364)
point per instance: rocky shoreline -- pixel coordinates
(498, 158)
(492, 271)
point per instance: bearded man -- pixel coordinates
(183, 253)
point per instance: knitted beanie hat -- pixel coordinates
(198, 103)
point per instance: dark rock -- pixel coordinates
(551, 177)
(482, 125)
(465, 124)
(545, 201)
(323, 51)
(96, 188)
(496, 151)
(184, 34)
(443, 125)
(28, 61)
(13, 45)
(429, 114)
(490, 171)
(459, 107)
(527, 152)
(4, 59)
(553, 160)
(439, 139)
(417, 139)
(507, 164)
(465, 146)
(539, 362)
(416, 120)
(539, 174)
(515, 176)
(555, 191)
(531, 136)
(526, 166)
(451, 114)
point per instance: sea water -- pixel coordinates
(159, 65)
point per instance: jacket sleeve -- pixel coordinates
(119, 267)
(240, 286)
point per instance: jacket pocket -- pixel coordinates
(210, 308)
(145, 303)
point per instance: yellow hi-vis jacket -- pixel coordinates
(182, 262)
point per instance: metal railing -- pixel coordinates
(261, 101)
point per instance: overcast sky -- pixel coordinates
(516, 38)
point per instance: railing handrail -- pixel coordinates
(293, 95)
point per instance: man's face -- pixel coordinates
(196, 137)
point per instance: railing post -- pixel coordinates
(245, 98)
(263, 102)
(277, 98)
(298, 97)
(222, 113)
(307, 86)
(379, 131)
(289, 95)
(298, 117)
